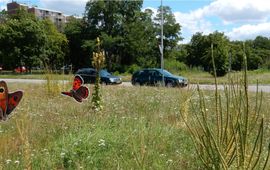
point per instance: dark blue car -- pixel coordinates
(89, 76)
(154, 77)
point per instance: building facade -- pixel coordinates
(57, 17)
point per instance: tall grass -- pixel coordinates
(231, 133)
(56, 82)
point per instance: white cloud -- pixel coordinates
(240, 11)
(3, 7)
(4, 1)
(69, 7)
(230, 12)
(249, 31)
(3, 4)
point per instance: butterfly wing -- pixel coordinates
(67, 93)
(2, 115)
(83, 92)
(77, 97)
(78, 81)
(13, 100)
(3, 99)
(78, 91)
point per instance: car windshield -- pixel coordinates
(104, 73)
(166, 73)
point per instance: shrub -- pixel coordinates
(175, 66)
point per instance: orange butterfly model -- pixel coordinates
(78, 91)
(8, 101)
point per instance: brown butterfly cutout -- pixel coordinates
(8, 101)
(78, 92)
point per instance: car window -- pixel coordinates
(92, 72)
(156, 73)
(166, 73)
(104, 73)
(145, 73)
(152, 73)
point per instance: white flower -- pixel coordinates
(169, 161)
(101, 142)
(8, 161)
(162, 155)
(17, 162)
(62, 154)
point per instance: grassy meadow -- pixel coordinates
(139, 128)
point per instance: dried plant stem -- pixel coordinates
(26, 145)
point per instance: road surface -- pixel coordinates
(252, 88)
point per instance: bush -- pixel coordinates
(134, 67)
(175, 66)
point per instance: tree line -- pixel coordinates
(129, 36)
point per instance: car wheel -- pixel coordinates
(169, 84)
(103, 83)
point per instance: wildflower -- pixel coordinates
(101, 142)
(162, 155)
(17, 162)
(62, 154)
(8, 161)
(169, 161)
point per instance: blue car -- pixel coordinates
(154, 77)
(89, 76)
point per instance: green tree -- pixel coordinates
(236, 54)
(55, 46)
(26, 40)
(21, 39)
(141, 45)
(171, 29)
(78, 54)
(220, 51)
(261, 42)
(261, 50)
(196, 49)
(3, 16)
(199, 52)
(127, 33)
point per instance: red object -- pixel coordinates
(78, 91)
(8, 101)
(20, 69)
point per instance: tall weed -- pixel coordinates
(228, 133)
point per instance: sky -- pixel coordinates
(238, 19)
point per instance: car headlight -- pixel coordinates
(181, 80)
(111, 79)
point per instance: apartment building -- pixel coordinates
(57, 17)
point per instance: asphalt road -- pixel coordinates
(252, 88)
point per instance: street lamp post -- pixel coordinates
(162, 46)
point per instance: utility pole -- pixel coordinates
(162, 46)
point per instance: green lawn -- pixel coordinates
(139, 128)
